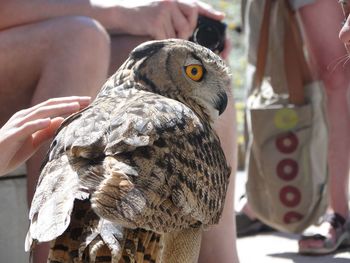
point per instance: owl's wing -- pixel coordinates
(138, 157)
(59, 182)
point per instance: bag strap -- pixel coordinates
(297, 70)
(262, 45)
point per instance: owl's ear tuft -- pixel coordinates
(147, 49)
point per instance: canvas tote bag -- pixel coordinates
(287, 149)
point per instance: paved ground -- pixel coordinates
(281, 248)
(275, 247)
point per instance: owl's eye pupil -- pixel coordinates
(194, 71)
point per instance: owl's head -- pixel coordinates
(184, 71)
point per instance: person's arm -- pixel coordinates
(158, 19)
(28, 129)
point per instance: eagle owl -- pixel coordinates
(137, 175)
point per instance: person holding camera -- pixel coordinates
(62, 48)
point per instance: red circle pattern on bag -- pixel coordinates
(287, 170)
(287, 143)
(290, 196)
(292, 217)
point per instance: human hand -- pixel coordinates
(162, 19)
(28, 129)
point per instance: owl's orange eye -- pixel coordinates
(194, 72)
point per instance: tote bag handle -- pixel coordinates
(297, 70)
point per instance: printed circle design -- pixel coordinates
(287, 143)
(290, 196)
(286, 119)
(287, 169)
(292, 217)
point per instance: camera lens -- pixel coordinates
(207, 36)
(209, 33)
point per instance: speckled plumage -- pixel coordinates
(141, 162)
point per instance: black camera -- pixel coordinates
(210, 33)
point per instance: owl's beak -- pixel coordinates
(221, 102)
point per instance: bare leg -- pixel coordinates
(60, 57)
(219, 243)
(322, 22)
(326, 48)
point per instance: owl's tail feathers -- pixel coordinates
(118, 245)
(87, 239)
(94, 240)
(142, 246)
(53, 202)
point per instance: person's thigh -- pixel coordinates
(20, 63)
(57, 57)
(322, 22)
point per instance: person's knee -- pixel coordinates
(80, 50)
(85, 36)
(76, 53)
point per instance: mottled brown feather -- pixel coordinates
(140, 163)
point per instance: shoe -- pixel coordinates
(342, 235)
(246, 226)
